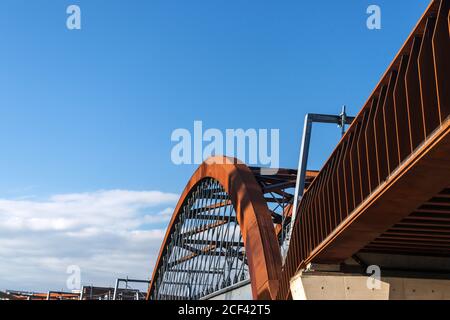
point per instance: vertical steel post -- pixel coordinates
(301, 177)
(341, 120)
(115, 289)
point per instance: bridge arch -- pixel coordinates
(196, 236)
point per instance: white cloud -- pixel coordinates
(108, 234)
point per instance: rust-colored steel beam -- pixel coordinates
(385, 188)
(393, 159)
(418, 179)
(254, 218)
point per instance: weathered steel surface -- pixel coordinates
(385, 186)
(254, 218)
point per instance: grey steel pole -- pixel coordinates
(301, 177)
(115, 289)
(341, 120)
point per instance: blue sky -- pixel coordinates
(94, 109)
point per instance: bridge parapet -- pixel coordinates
(399, 142)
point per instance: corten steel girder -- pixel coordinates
(263, 205)
(385, 188)
(393, 159)
(254, 218)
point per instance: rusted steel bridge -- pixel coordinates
(385, 190)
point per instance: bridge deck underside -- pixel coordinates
(424, 232)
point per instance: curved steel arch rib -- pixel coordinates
(235, 184)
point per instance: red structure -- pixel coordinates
(385, 189)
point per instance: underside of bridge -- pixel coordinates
(382, 198)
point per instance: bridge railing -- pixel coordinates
(410, 102)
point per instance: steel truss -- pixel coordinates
(205, 252)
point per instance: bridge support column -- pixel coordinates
(328, 283)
